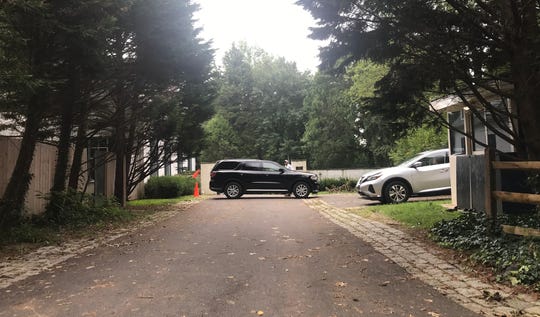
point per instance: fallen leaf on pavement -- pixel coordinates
(341, 284)
(385, 283)
(260, 313)
(434, 314)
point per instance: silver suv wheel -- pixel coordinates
(396, 192)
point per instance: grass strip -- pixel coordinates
(418, 215)
(158, 201)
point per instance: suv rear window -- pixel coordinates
(227, 165)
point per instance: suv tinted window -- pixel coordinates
(270, 167)
(227, 165)
(252, 166)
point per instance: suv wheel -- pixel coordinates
(396, 192)
(301, 190)
(233, 190)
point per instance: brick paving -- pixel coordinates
(428, 266)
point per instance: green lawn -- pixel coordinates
(158, 201)
(421, 215)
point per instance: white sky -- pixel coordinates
(279, 27)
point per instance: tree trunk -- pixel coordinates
(120, 153)
(131, 182)
(526, 77)
(68, 109)
(62, 156)
(12, 203)
(80, 145)
(120, 190)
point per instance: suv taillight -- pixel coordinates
(212, 174)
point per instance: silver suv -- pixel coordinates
(425, 173)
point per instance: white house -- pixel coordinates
(467, 165)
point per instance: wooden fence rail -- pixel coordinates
(493, 194)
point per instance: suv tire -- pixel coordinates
(233, 190)
(396, 192)
(301, 190)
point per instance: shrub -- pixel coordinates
(169, 186)
(418, 140)
(337, 184)
(65, 210)
(27, 232)
(514, 259)
(467, 232)
(75, 209)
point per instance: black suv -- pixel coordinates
(238, 177)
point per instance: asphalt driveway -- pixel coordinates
(259, 255)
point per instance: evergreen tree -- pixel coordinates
(434, 48)
(40, 66)
(101, 68)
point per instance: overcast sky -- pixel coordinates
(279, 27)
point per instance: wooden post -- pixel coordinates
(490, 203)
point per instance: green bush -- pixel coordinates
(514, 259)
(28, 232)
(65, 210)
(337, 184)
(467, 232)
(75, 209)
(169, 186)
(418, 140)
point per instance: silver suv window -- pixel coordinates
(434, 159)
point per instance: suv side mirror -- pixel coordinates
(417, 164)
(281, 170)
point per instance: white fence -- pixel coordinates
(345, 173)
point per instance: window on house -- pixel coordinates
(457, 140)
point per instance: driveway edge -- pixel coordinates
(447, 278)
(45, 258)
